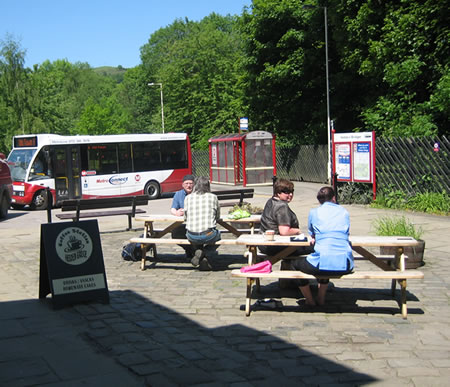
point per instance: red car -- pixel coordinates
(5, 187)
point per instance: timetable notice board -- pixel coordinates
(354, 157)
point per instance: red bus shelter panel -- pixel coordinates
(247, 159)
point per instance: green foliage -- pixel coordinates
(354, 193)
(429, 202)
(105, 117)
(388, 72)
(391, 199)
(116, 73)
(198, 64)
(397, 226)
(254, 210)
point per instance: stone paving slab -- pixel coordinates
(172, 325)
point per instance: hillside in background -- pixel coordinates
(115, 73)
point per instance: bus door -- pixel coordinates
(66, 165)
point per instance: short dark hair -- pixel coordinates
(283, 185)
(325, 194)
(188, 177)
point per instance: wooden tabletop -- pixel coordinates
(399, 241)
(173, 218)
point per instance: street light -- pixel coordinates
(162, 103)
(308, 6)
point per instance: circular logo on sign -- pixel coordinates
(73, 246)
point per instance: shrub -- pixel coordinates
(430, 202)
(398, 225)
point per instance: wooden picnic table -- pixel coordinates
(391, 267)
(153, 236)
(225, 221)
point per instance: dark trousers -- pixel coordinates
(303, 265)
(205, 241)
(180, 233)
(274, 250)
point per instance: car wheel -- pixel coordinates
(4, 207)
(153, 190)
(39, 201)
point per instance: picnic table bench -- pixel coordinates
(151, 243)
(392, 268)
(83, 207)
(238, 195)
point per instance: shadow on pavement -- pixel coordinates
(155, 345)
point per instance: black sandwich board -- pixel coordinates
(71, 263)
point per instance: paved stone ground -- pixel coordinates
(173, 325)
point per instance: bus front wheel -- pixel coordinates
(153, 190)
(39, 201)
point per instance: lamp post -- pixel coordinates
(162, 103)
(328, 87)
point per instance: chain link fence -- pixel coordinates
(412, 165)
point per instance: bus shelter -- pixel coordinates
(246, 158)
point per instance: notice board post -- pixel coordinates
(71, 263)
(354, 158)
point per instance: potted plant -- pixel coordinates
(401, 226)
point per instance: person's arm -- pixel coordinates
(311, 229)
(287, 230)
(217, 204)
(177, 207)
(179, 212)
(285, 218)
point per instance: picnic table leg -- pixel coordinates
(404, 308)
(399, 264)
(252, 258)
(152, 235)
(248, 299)
(143, 257)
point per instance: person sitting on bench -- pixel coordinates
(278, 216)
(201, 213)
(177, 209)
(329, 226)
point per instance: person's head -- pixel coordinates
(202, 185)
(188, 183)
(283, 190)
(325, 194)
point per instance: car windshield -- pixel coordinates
(19, 161)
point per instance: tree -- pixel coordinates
(135, 97)
(285, 75)
(13, 91)
(399, 51)
(105, 117)
(200, 68)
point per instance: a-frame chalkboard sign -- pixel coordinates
(71, 263)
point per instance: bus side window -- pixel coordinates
(125, 161)
(147, 157)
(103, 159)
(175, 155)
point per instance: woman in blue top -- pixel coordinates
(329, 226)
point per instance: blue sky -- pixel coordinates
(99, 32)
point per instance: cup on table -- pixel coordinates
(269, 235)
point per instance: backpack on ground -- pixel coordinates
(132, 251)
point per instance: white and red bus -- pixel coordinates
(96, 166)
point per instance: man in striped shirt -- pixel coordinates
(201, 212)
